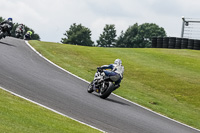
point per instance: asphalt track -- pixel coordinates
(24, 72)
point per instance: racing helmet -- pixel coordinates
(118, 62)
(10, 19)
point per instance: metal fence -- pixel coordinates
(190, 28)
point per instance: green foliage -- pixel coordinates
(139, 36)
(1, 19)
(148, 30)
(107, 39)
(129, 38)
(78, 35)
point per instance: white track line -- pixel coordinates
(112, 93)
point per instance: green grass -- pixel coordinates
(20, 116)
(164, 80)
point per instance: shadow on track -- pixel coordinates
(112, 100)
(118, 102)
(7, 44)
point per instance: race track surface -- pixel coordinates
(24, 72)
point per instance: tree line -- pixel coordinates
(34, 35)
(136, 36)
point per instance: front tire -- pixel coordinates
(90, 87)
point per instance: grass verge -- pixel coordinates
(20, 116)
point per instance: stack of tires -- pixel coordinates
(172, 41)
(190, 44)
(159, 42)
(154, 42)
(184, 43)
(165, 42)
(197, 44)
(178, 43)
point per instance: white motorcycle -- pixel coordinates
(103, 84)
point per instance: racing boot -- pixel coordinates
(116, 86)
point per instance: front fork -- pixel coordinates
(98, 88)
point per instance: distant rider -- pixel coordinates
(28, 35)
(7, 26)
(117, 71)
(19, 30)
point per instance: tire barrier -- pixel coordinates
(154, 42)
(190, 44)
(172, 41)
(165, 42)
(159, 42)
(178, 43)
(197, 44)
(184, 43)
(175, 42)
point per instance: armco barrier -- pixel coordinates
(175, 43)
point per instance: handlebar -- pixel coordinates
(99, 69)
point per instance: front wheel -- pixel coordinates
(17, 35)
(90, 87)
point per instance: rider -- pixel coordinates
(117, 71)
(7, 26)
(20, 28)
(28, 34)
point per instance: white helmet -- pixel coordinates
(118, 62)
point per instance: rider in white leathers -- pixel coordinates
(116, 73)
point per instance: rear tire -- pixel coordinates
(107, 92)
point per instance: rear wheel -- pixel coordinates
(107, 91)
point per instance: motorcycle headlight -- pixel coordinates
(96, 74)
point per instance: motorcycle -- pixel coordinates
(19, 34)
(102, 84)
(19, 31)
(3, 30)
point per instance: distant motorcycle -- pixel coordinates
(3, 30)
(19, 31)
(102, 84)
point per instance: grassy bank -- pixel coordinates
(20, 116)
(164, 80)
